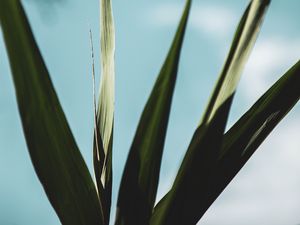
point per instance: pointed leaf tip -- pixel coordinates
(140, 179)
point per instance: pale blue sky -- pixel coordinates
(267, 189)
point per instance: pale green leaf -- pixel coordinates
(103, 137)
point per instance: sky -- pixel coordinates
(266, 191)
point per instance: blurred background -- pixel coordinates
(265, 192)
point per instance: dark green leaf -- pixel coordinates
(53, 150)
(248, 133)
(184, 204)
(140, 179)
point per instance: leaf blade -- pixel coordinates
(53, 150)
(103, 135)
(140, 179)
(183, 203)
(249, 132)
(242, 45)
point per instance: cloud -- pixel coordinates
(209, 19)
(213, 20)
(269, 60)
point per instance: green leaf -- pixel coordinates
(184, 204)
(140, 179)
(241, 47)
(248, 133)
(103, 137)
(53, 150)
